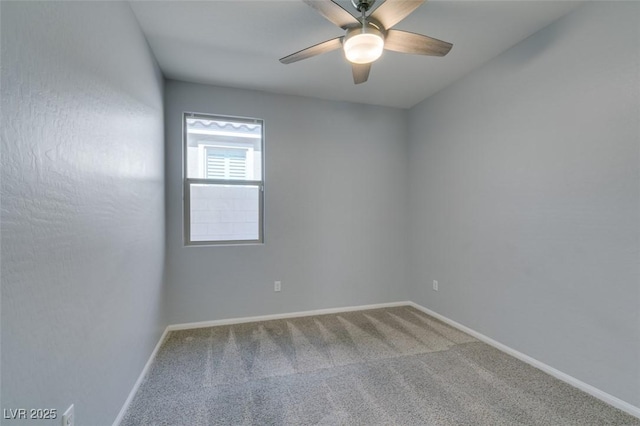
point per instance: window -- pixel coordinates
(223, 179)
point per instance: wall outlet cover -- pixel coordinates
(68, 418)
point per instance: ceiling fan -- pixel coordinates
(366, 37)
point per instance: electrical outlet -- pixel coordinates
(68, 418)
(277, 286)
(435, 285)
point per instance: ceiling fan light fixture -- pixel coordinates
(363, 45)
(367, 36)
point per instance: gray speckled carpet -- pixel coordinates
(394, 366)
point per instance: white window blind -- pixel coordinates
(226, 163)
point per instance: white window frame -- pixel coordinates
(257, 181)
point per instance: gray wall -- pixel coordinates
(334, 209)
(82, 207)
(524, 198)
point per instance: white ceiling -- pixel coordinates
(238, 43)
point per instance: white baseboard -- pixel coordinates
(591, 390)
(585, 387)
(214, 323)
(141, 377)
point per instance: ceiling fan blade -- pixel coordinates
(324, 47)
(406, 42)
(360, 72)
(391, 12)
(334, 13)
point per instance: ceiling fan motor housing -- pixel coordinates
(362, 5)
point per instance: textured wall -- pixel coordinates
(82, 207)
(524, 190)
(334, 209)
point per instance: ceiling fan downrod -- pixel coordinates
(363, 7)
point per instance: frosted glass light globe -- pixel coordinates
(363, 45)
